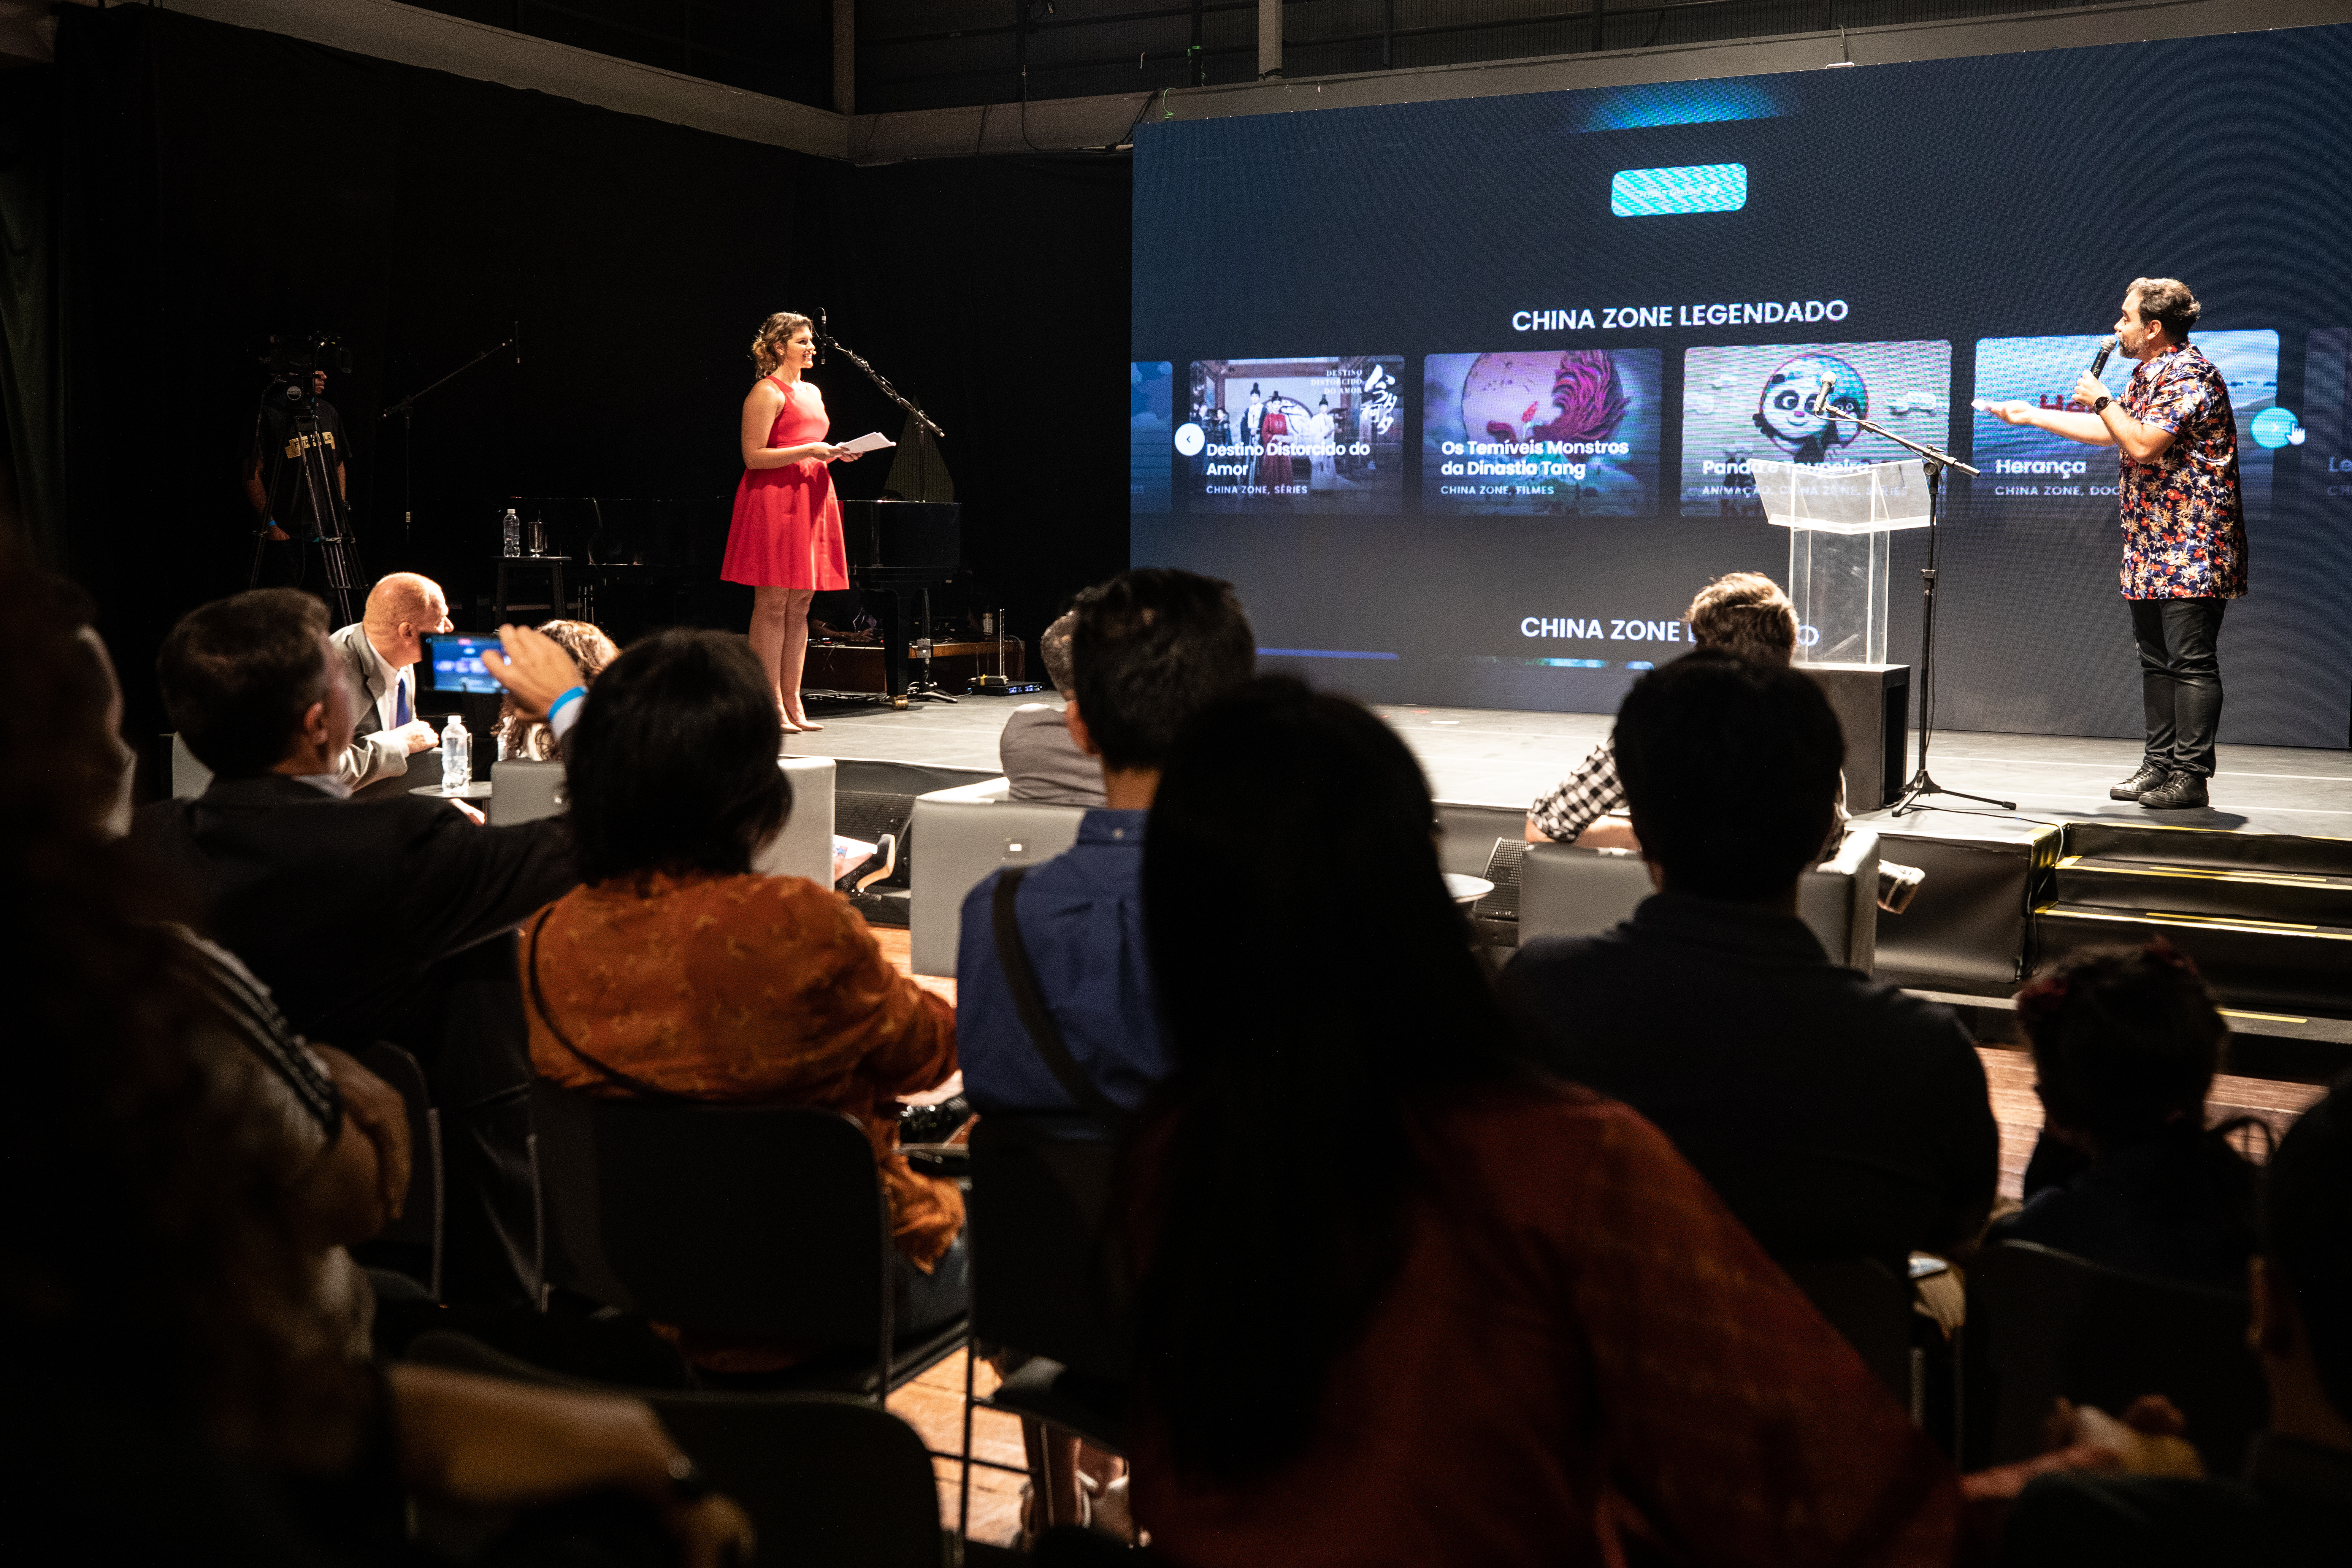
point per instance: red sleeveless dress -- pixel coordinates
(787, 527)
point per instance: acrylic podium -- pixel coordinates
(1841, 521)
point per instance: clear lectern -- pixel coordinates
(1839, 520)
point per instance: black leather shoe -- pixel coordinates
(2150, 775)
(2179, 792)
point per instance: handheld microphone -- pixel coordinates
(2107, 347)
(1821, 398)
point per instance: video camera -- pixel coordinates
(291, 363)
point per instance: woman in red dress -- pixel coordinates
(785, 541)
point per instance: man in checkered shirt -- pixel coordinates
(1745, 613)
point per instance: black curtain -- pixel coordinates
(32, 358)
(219, 185)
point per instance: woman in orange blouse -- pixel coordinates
(675, 967)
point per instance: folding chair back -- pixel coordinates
(2045, 1325)
(826, 1477)
(421, 1216)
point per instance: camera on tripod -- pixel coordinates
(305, 487)
(291, 363)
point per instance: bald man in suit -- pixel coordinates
(379, 654)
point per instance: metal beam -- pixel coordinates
(1087, 123)
(385, 30)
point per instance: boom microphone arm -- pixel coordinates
(826, 339)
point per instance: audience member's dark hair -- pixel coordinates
(157, 1271)
(239, 673)
(2307, 1214)
(2125, 1041)
(1730, 769)
(1745, 613)
(1312, 1015)
(672, 766)
(1153, 647)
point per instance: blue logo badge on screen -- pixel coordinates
(1693, 188)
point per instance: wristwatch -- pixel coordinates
(2101, 406)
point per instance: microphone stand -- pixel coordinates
(921, 685)
(1935, 460)
(406, 409)
(827, 340)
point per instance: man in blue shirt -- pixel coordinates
(1152, 647)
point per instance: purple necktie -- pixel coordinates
(399, 700)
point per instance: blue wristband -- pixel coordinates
(557, 706)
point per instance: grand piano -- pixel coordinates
(898, 550)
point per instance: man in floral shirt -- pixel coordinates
(2184, 532)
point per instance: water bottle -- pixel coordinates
(456, 755)
(514, 533)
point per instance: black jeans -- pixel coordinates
(2180, 679)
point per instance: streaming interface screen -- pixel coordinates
(1464, 396)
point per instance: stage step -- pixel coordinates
(2211, 849)
(2291, 899)
(2292, 968)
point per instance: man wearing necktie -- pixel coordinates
(380, 651)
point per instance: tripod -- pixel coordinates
(314, 497)
(1935, 461)
(922, 685)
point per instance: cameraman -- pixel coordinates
(273, 470)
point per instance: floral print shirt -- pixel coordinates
(2184, 532)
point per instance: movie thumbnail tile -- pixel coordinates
(2030, 471)
(1308, 434)
(1742, 402)
(1542, 432)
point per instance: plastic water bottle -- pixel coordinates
(456, 756)
(514, 533)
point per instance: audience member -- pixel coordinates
(1836, 1117)
(1150, 648)
(529, 738)
(342, 1131)
(1039, 758)
(677, 971)
(2294, 1506)
(2125, 1047)
(389, 920)
(1742, 612)
(379, 652)
(1404, 1300)
(179, 1386)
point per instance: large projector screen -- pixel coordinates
(1518, 352)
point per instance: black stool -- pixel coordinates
(555, 565)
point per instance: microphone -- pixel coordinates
(2107, 347)
(1821, 398)
(821, 334)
